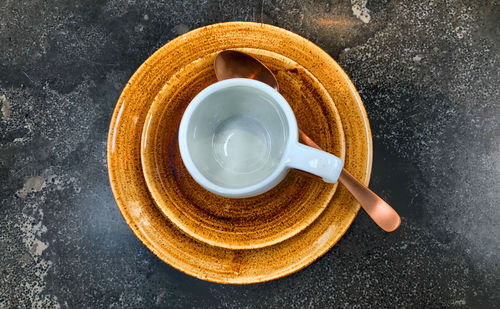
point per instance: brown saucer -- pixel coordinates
(158, 233)
(237, 223)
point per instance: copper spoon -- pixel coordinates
(234, 64)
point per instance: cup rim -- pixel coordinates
(263, 185)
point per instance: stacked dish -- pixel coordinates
(222, 239)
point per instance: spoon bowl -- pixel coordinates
(235, 64)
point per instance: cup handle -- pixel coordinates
(317, 162)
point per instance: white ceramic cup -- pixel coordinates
(239, 138)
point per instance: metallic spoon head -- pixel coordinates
(235, 64)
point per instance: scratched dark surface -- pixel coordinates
(427, 71)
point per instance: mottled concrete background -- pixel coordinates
(428, 72)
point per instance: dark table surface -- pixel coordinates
(428, 72)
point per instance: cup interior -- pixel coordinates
(237, 135)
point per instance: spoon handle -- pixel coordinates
(383, 214)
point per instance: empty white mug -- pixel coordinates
(239, 137)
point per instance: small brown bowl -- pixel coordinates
(247, 223)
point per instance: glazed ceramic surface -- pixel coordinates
(236, 223)
(161, 235)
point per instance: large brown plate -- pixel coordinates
(158, 233)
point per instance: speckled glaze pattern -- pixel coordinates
(158, 233)
(231, 223)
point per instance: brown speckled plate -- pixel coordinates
(163, 237)
(238, 223)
